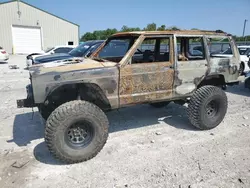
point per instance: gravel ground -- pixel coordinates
(147, 147)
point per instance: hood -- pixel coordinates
(75, 64)
(52, 57)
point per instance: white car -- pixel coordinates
(4, 56)
(57, 49)
(244, 57)
(244, 52)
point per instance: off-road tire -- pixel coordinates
(197, 109)
(241, 69)
(159, 104)
(247, 83)
(62, 118)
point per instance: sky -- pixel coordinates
(227, 15)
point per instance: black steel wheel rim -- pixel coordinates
(79, 134)
(212, 109)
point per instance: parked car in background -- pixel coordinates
(54, 50)
(244, 52)
(4, 56)
(245, 57)
(247, 75)
(84, 49)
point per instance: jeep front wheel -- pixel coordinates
(76, 131)
(207, 107)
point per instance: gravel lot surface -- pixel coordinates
(147, 147)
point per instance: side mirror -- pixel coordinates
(248, 55)
(52, 52)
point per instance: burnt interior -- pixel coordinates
(116, 48)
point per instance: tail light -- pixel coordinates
(3, 52)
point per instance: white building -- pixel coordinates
(25, 29)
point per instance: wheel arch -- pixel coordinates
(90, 92)
(214, 80)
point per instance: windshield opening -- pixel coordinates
(219, 47)
(116, 48)
(80, 50)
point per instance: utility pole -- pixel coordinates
(244, 27)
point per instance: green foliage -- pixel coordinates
(150, 27)
(173, 28)
(104, 34)
(161, 28)
(246, 38)
(129, 29)
(98, 35)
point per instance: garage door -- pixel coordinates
(26, 40)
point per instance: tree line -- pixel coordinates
(104, 34)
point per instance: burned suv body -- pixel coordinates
(141, 67)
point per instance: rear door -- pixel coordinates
(228, 63)
(191, 63)
(149, 74)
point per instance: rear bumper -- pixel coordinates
(4, 58)
(233, 83)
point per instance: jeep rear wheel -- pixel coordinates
(207, 107)
(76, 131)
(241, 69)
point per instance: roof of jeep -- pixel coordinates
(172, 32)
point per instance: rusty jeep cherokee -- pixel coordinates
(129, 68)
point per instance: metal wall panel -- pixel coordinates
(55, 31)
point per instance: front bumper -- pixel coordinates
(4, 58)
(25, 103)
(29, 101)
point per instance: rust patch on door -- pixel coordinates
(145, 82)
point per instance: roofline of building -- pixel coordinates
(40, 10)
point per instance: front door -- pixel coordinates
(149, 74)
(191, 64)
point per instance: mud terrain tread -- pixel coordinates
(197, 100)
(67, 110)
